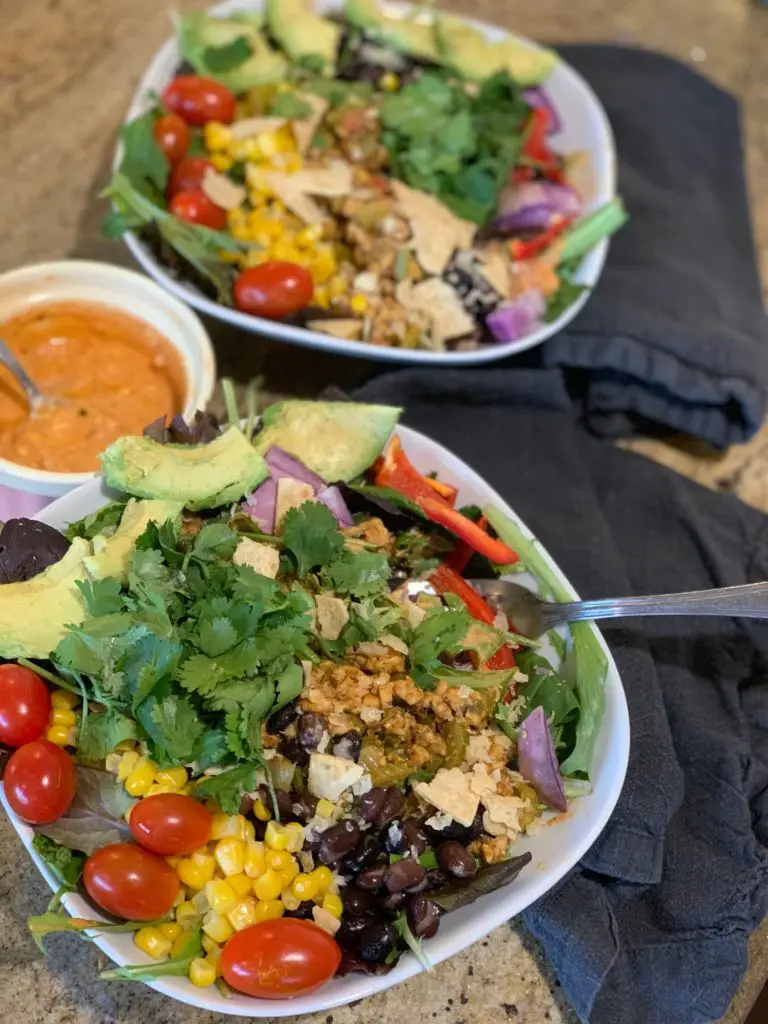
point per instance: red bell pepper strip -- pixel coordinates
(446, 581)
(536, 152)
(459, 558)
(397, 472)
(526, 250)
(446, 491)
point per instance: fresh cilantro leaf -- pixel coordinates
(441, 632)
(227, 788)
(360, 574)
(213, 748)
(163, 538)
(103, 522)
(289, 105)
(289, 685)
(251, 586)
(65, 865)
(565, 296)
(203, 674)
(217, 636)
(102, 597)
(148, 661)
(225, 58)
(311, 535)
(214, 542)
(100, 734)
(174, 727)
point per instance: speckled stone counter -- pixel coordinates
(67, 72)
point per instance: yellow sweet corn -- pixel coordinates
(217, 135)
(112, 763)
(324, 878)
(141, 777)
(64, 700)
(196, 870)
(128, 762)
(295, 836)
(202, 973)
(174, 861)
(63, 716)
(221, 162)
(305, 887)
(220, 895)
(241, 884)
(243, 914)
(321, 297)
(389, 82)
(61, 735)
(228, 825)
(269, 910)
(255, 862)
(208, 943)
(176, 778)
(358, 304)
(323, 264)
(157, 790)
(280, 860)
(217, 927)
(324, 808)
(249, 831)
(268, 886)
(186, 913)
(288, 874)
(213, 957)
(152, 942)
(170, 930)
(125, 746)
(230, 855)
(333, 905)
(275, 836)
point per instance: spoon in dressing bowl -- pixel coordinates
(31, 390)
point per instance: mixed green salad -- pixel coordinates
(239, 728)
(386, 180)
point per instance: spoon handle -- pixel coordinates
(9, 359)
(748, 601)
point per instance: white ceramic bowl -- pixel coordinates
(87, 281)
(585, 129)
(555, 849)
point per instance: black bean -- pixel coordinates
(282, 719)
(290, 747)
(246, 804)
(310, 729)
(304, 806)
(347, 746)
(372, 878)
(351, 962)
(303, 911)
(284, 802)
(377, 941)
(436, 879)
(461, 833)
(423, 917)
(371, 803)
(363, 856)
(351, 927)
(394, 901)
(356, 901)
(415, 840)
(392, 807)
(260, 830)
(453, 858)
(337, 841)
(404, 874)
(394, 838)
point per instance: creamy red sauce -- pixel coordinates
(113, 373)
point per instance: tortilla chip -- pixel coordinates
(296, 199)
(494, 266)
(304, 128)
(332, 181)
(332, 616)
(251, 126)
(441, 304)
(221, 190)
(347, 329)
(436, 231)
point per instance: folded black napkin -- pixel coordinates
(652, 926)
(676, 333)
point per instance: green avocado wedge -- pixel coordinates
(112, 555)
(336, 440)
(34, 614)
(206, 42)
(405, 34)
(302, 33)
(196, 476)
(471, 56)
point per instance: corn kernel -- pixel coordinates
(208, 943)
(63, 716)
(324, 877)
(324, 808)
(141, 777)
(186, 913)
(128, 762)
(275, 836)
(152, 942)
(269, 910)
(213, 957)
(280, 860)
(389, 81)
(268, 886)
(305, 887)
(217, 135)
(169, 930)
(323, 265)
(255, 861)
(217, 927)
(202, 972)
(260, 811)
(321, 297)
(292, 163)
(112, 763)
(196, 870)
(61, 735)
(249, 831)
(358, 304)
(173, 860)
(295, 836)
(175, 777)
(333, 905)
(63, 700)
(288, 874)
(289, 901)
(220, 895)
(157, 790)
(242, 885)
(221, 162)
(124, 746)
(243, 915)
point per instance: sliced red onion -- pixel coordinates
(537, 761)
(260, 505)
(332, 498)
(281, 464)
(532, 206)
(538, 97)
(512, 321)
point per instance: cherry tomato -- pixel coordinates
(170, 823)
(172, 136)
(187, 175)
(128, 882)
(199, 100)
(39, 782)
(197, 208)
(273, 290)
(25, 706)
(276, 959)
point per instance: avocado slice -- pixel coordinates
(414, 37)
(199, 34)
(197, 476)
(469, 53)
(302, 33)
(34, 613)
(336, 440)
(112, 555)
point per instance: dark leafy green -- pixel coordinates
(65, 865)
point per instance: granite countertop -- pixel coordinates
(67, 71)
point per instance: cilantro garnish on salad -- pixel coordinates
(390, 181)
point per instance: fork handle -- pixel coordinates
(749, 601)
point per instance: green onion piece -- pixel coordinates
(586, 233)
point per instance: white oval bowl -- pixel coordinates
(585, 128)
(555, 849)
(129, 292)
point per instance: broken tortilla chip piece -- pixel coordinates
(346, 329)
(296, 190)
(436, 230)
(221, 190)
(494, 266)
(250, 126)
(441, 304)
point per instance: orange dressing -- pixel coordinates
(113, 372)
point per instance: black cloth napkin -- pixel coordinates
(676, 333)
(652, 926)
